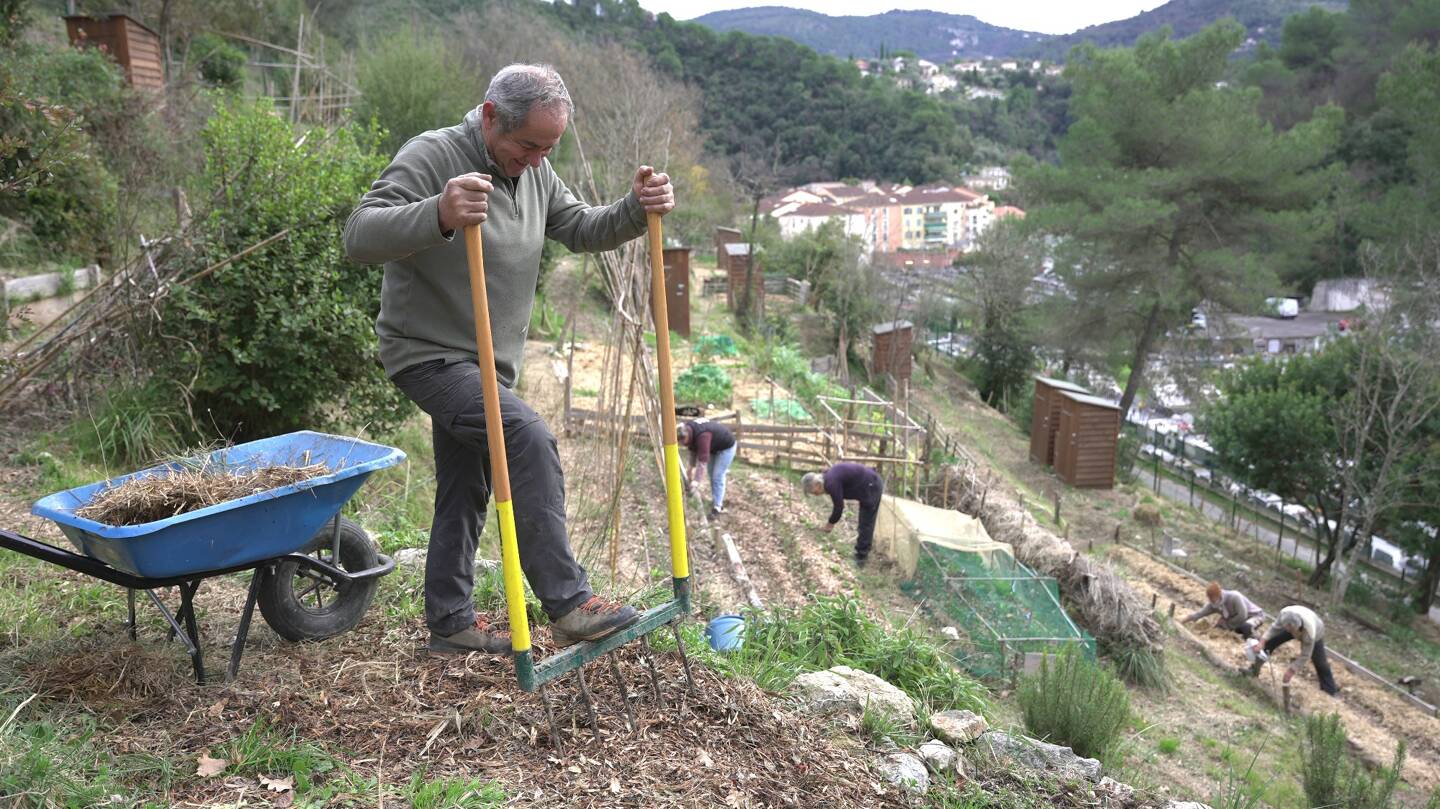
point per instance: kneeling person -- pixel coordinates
(1237, 613)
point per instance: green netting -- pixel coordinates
(787, 410)
(1000, 610)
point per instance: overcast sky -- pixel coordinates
(1047, 16)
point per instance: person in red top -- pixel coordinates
(850, 481)
(713, 446)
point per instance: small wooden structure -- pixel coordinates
(124, 39)
(1086, 441)
(724, 236)
(735, 263)
(677, 289)
(1045, 417)
(890, 349)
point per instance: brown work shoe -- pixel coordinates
(481, 637)
(592, 620)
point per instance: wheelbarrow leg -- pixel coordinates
(187, 611)
(177, 631)
(130, 598)
(238, 648)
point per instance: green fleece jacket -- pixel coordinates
(425, 311)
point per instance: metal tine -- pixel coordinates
(624, 692)
(550, 717)
(685, 661)
(654, 675)
(589, 703)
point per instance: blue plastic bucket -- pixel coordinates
(726, 632)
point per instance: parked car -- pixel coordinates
(1283, 307)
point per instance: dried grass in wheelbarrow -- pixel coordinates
(189, 488)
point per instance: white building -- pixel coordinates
(810, 216)
(940, 83)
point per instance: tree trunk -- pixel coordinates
(1332, 548)
(745, 298)
(1137, 362)
(842, 355)
(1432, 573)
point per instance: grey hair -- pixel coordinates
(519, 88)
(812, 480)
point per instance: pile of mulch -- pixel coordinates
(391, 712)
(190, 487)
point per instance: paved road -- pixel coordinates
(1261, 532)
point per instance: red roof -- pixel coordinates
(820, 209)
(937, 194)
(1008, 210)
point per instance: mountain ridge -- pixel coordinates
(941, 37)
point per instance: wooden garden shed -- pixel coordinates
(1045, 417)
(890, 349)
(125, 40)
(677, 289)
(1086, 441)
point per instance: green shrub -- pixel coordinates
(710, 346)
(704, 383)
(1074, 702)
(282, 338)
(412, 82)
(1331, 779)
(836, 631)
(221, 64)
(1140, 666)
(1168, 746)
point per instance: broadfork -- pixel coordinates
(530, 675)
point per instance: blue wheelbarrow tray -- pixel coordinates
(235, 532)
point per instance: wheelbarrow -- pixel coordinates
(314, 572)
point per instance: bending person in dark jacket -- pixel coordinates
(713, 446)
(850, 481)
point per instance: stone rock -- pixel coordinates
(487, 565)
(937, 755)
(958, 727)
(1118, 793)
(1058, 761)
(906, 772)
(843, 690)
(410, 558)
(1186, 805)
(950, 632)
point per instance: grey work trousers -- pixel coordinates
(450, 392)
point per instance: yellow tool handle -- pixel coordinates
(674, 492)
(495, 435)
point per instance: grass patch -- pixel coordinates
(1168, 746)
(835, 631)
(453, 793)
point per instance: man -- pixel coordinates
(440, 182)
(850, 481)
(1300, 622)
(1237, 613)
(713, 446)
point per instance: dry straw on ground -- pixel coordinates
(188, 488)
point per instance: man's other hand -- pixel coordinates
(654, 190)
(464, 201)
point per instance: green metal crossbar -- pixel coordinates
(532, 676)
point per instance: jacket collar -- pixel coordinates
(477, 139)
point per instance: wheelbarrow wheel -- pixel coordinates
(299, 606)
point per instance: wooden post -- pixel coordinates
(1172, 610)
(1285, 696)
(1057, 506)
(1154, 598)
(1118, 541)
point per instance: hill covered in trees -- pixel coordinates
(931, 35)
(942, 37)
